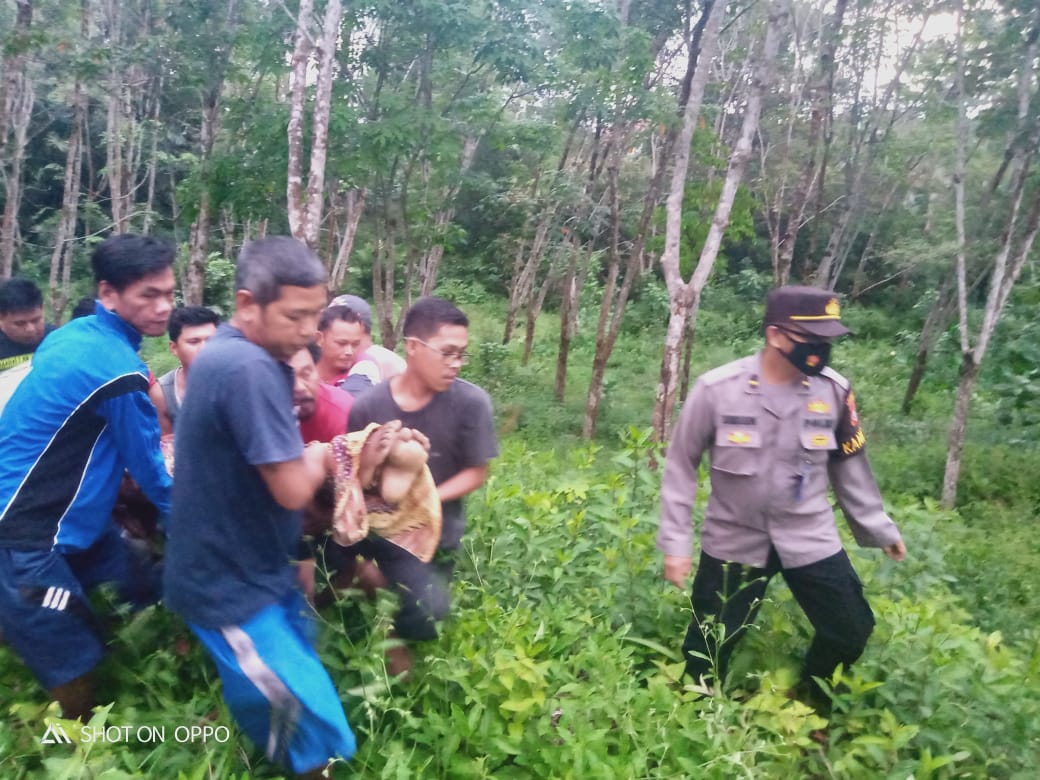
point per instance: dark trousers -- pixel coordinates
(726, 597)
(424, 589)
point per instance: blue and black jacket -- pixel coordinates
(78, 420)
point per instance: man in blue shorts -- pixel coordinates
(71, 429)
(242, 477)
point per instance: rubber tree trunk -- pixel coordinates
(65, 235)
(818, 143)
(534, 308)
(296, 207)
(525, 272)
(568, 312)
(603, 346)
(958, 431)
(383, 266)
(198, 239)
(515, 291)
(13, 185)
(354, 207)
(16, 101)
(311, 229)
(1007, 267)
(684, 298)
(938, 320)
(430, 264)
(114, 152)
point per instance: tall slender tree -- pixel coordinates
(65, 235)
(1014, 245)
(221, 24)
(684, 297)
(17, 96)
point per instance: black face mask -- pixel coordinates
(809, 357)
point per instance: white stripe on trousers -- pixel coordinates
(56, 598)
(285, 708)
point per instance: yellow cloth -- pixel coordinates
(414, 523)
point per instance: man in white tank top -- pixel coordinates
(372, 363)
(190, 328)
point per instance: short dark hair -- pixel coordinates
(335, 314)
(189, 316)
(315, 350)
(20, 294)
(267, 264)
(126, 258)
(83, 308)
(429, 314)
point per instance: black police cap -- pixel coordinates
(807, 309)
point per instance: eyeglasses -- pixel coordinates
(462, 358)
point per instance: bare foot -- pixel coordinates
(76, 697)
(406, 459)
(414, 435)
(375, 451)
(399, 661)
(330, 460)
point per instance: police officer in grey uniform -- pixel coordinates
(779, 426)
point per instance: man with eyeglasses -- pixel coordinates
(456, 416)
(780, 426)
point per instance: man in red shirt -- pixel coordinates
(322, 410)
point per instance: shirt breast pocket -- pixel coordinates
(736, 451)
(818, 443)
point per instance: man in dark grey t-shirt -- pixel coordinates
(456, 417)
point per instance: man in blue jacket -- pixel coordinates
(78, 421)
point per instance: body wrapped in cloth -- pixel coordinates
(383, 486)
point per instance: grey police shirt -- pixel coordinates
(773, 453)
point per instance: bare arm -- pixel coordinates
(463, 483)
(155, 393)
(294, 482)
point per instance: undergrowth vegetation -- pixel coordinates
(561, 658)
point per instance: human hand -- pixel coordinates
(896, 551)
(676, 569)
